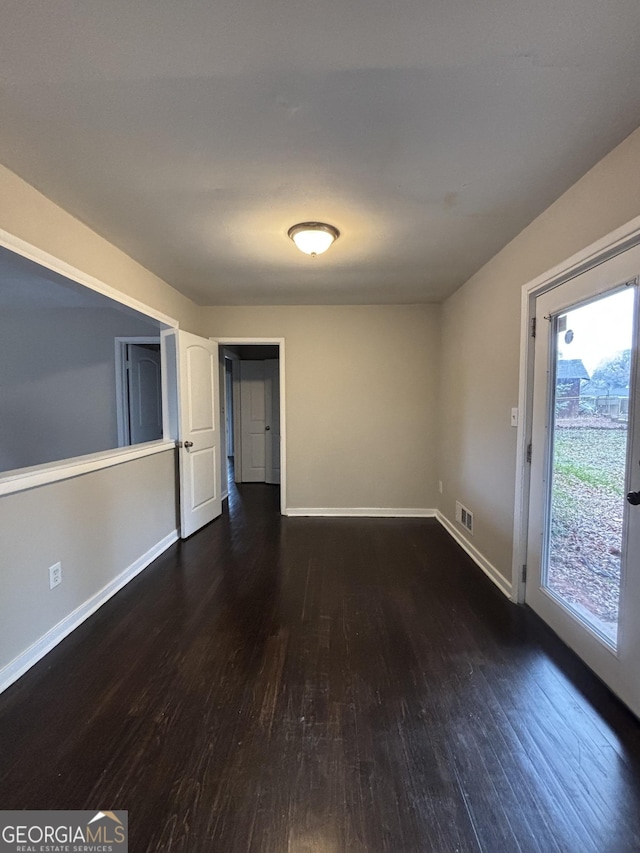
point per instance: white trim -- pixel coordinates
(235, 409)
(41, 475)
(360, 512)
(224, 495)
(503, 584)
(33, 253)
(24, 661)
(122, 401)
(602, 250)
(234, 358)
(523, 437)
(169, 373)
(612, 244)
(283, 407)
(237, 421)
(245, 342)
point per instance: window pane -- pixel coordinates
(591, 407)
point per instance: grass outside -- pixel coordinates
(586, 520)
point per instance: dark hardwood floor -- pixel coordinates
(317, 686)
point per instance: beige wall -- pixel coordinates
(100, 523)
(361, 385)
(480, 346)
(361, 400)
(96, 525)
(27, 214)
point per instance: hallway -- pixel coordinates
(316, 685)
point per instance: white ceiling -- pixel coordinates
(193, 134)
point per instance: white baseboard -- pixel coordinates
(24, 661)
(360, 512)
(224, 495)
(488, 568)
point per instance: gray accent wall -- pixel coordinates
(57, 382)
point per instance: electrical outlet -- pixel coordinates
(55, 575)
(440, 486)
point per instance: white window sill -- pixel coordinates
(52, 472)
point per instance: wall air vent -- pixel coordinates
(464, 517)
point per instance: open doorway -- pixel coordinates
(252, 411)
(138, 390)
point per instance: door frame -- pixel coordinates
(122, 397)
(244, 341)
(273, 417)
(614, 243)
(235, 415)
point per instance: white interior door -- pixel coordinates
(199, 423)
(253, 420)
(145, 393)
(584, 536)
(272, 425)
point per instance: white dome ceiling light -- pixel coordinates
(313, 238)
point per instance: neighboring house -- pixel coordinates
(571, 373)
(612, 401)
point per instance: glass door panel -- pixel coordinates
(589, 419)
(583, 551)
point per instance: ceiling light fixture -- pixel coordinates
(313, 238)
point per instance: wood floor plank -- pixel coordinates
(314, 685)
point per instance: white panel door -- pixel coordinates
(584, 523)
(200, 500)
(272, 426)
(253, 420)
(145, 394)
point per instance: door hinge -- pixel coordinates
(529, 452)
(533, 327)
(524, 573)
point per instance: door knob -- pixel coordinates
(634, 498)
(188, 444)
(267, 428)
